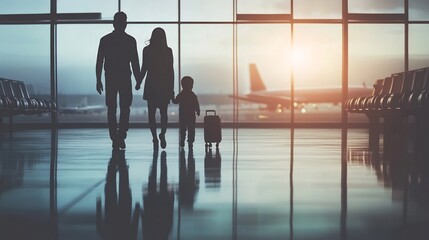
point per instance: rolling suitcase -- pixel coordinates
(212, 128)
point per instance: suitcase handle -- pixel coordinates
(213, 111)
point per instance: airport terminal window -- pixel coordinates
(267, 45)
(206, 10)
(370, 6)
(263, 6)
(266, 48)
(418, 46)
(160, 10)
(25, 56)
(106, 8)
(24, 6)
(378, 54)
(316, 9)
(375, 56)
(317, 65)
(419, 10)
(77, 52)
(207, 55)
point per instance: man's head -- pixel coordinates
(187, 83)
(120, 21)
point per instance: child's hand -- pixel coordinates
(198, 113)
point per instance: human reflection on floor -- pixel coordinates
(157, 213)
(118, 222)
(188, 181)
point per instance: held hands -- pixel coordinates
(138, 86)
(99, 87)
(198, 113)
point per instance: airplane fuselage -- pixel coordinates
(306, 95)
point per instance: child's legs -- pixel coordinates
(182, 124)
(191, 130)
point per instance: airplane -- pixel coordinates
(276, 100)
(83, 108)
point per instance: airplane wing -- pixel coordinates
(272, 102)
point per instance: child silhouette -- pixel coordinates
(188, 106)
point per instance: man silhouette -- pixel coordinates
(117, 50)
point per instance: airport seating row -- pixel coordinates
(15, 100)
(404, 93)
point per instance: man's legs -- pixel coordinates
(125, 100)
(111, 96)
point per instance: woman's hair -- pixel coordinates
(158, 38)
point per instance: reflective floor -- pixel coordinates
(260, 184)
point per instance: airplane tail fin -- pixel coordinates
(256, 83)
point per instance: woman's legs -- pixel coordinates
(164, 120)
(151, 108)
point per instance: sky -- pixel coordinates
(207, 50)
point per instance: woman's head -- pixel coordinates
(158, 38)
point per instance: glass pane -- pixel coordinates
(264, 70)
(77, 52)
(419, 48)
(206, 10)
(207, 57)
(317, 61)
(370, 6)
(375, 56)
(24, 6)
(106, 8)
(25, 56)
(148, 10)
(330, 9)
(263, 6)
(419, 9)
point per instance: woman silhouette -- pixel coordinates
(159, 84)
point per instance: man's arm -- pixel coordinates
(99, 66)
(143, 69)
(135, 64)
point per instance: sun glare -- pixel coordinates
(298, 56)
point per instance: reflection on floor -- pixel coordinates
(260, 184)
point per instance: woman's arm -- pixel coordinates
(171, 73)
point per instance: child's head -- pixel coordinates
(187, 83)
